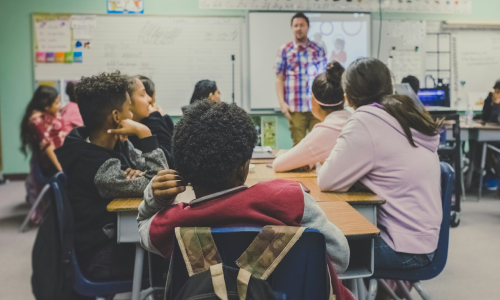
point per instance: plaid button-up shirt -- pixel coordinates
(299, 66)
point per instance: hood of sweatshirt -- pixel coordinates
(76, 147)
(429, 142)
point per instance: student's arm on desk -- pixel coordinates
(147, 210)
(166, 193)
(336, 243)
(111, 181)
(352, 158)
(301, 155)
(148, 157)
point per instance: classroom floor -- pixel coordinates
(472, 271)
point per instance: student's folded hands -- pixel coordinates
(166, 185)
(133, 174)
(130, 127)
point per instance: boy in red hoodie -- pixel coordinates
(212, 147)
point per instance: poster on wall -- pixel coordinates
(125, 6)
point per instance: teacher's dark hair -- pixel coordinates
(300, 15)
(202, 90)
(327, 87)
(44, 97)
(368, 80)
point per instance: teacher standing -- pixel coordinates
(297, 64)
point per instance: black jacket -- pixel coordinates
(491, 111)
(95, 177)
(163, 131)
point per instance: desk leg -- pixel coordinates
(137, 282)
(483, 161)
(472, 151)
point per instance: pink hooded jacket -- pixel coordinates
(316, 146)
(373, 149)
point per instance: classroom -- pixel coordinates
(249, 149)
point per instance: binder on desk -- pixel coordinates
(262, 155)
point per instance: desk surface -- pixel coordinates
(262, 172)
(308, 179)
(346, 218)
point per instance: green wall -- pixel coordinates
(16, 83)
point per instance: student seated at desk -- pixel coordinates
(413, 82)
(391, 147)
(149, 85)
(204, 89)
(213, 144)
(145, 111)
(101, 165)
(42, 132)
(328, 107)
(491, 108)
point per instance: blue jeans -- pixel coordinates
(386, 258)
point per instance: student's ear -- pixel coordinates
(211, 96)
(115, 116)
(242, 172)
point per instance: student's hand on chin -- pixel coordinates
(166, 185)
(133, 174)
(154, 107)
(130, 127)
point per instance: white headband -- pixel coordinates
(323, 104)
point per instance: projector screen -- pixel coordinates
(345, 38)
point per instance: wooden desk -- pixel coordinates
(358, 230)
(365, 203)
(263, 173)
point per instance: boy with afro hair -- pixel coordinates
(212, 146)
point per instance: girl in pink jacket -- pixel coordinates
(327, 106)
(390, 146)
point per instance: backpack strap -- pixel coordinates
(198, 249)
(218, 281)
(268, 249)
(265, 253)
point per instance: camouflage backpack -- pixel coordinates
(210, 279)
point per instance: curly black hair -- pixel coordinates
(99, 95)
(211, 141)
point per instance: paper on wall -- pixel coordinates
(53, 36)
(404, 63)
(83, 26)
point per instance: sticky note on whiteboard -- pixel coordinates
(77, 57)
(40, 57)
(60, 57)
(50, 57)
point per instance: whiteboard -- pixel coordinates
(476, 59)
(398, 45)
(264, 44)
(175, 52)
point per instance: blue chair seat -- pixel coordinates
(438, 263)
(82, 285)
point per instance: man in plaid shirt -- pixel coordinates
(297, 64)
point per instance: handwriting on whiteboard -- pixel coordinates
(158, 34)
